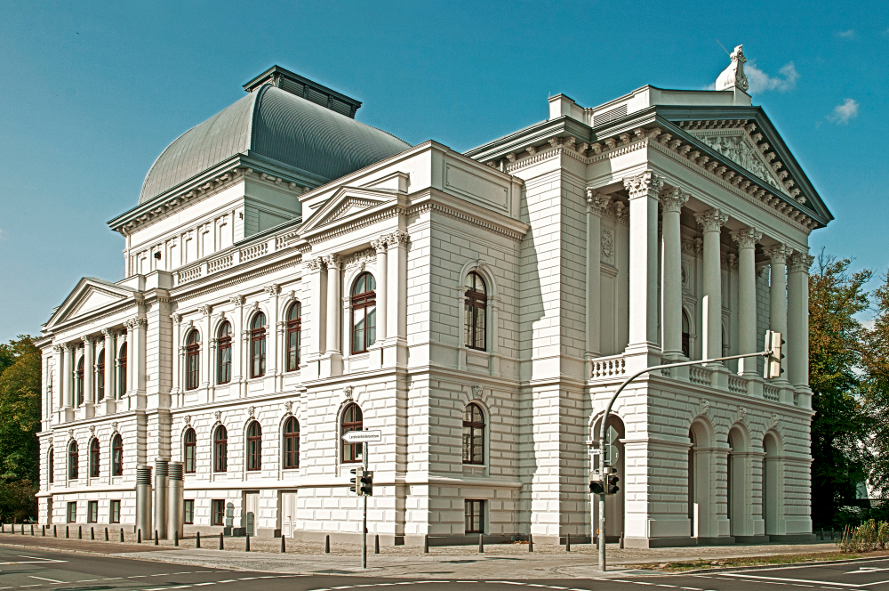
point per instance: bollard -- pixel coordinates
(79, 532)
(121, 535)
(176, 537)
(92, 533)
(567, 542)
(197, 540)
(55, 532)
(66, 532)
(44, 531)
(530, 543)
(283, 550)
(106, 534)
(139, 537)
(621, 540)
(822, 534)
(327, 544)
(156, 538)
(247, 544)
(377, 544)
(481, 544)
(32, 529)
(23, 528)
(831, 533)
(221, 546)
(426, 544)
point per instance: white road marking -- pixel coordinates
(39, 558)
(202, 584)
(692, 588)
(45, 579)
(137, 577)
(775, 580)
(87, 580)
(23, 586)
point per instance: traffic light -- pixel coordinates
(358, 481)
(774, 362)
(597, 487)
(367, 484)
(612, 488)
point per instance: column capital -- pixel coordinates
(746, 238)
(206, 309)
(396, 238)
(58, 348)
(176, 318)
(646, 184)
(674, 199)
(711, 220)
(331, 261)
(272, 289)
(313, 264)
(597, 203)
(779, 254)
(379, 245)
(800, 262)
(237, 300)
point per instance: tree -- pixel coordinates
(19, 423)
(876, 363)
(841, 424)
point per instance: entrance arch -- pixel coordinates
(772, 485)
(738, 481)
(614, 504)
(701, 483)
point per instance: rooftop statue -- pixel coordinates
(733, 75)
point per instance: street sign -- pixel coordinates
(363, 437)
(595, 451)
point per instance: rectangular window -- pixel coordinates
(475, 517)
(92, 512)
(218, 512)
(188, 510)
(71, 516)
(115, 512)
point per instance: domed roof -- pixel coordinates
(275, 124)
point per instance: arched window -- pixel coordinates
(686, 335)
(94, 458)
(473, 434)
(364, 313)
(117, 455)
(291, 443)
(72, 461)
(100, 376)
(52, 466)
(224, 354)
(192, 360)
(220, 449)
(475, 309)
(122, 371)
(257, 346)
(353, 420)
(191, 440)
(78, 382)
(254, 446)
(293, 337)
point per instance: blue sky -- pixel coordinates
(93, 92)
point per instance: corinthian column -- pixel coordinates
(89, 374)
(672, 202)
(382, 288)
(747, 337)
(778, 256)
(643, 190)
(711, 222)
(597, 204)
(333, 304)
(798, 319)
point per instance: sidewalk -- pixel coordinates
(501, 561)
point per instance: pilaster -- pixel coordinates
(597, 205)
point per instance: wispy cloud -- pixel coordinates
(843, 112)
(847, 34)
(2, 236)
(762, 82)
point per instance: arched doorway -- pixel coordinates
(772, 486)
(738, 484)
(615, 433)
(701, 508)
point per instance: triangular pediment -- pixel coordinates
(737, 145)
(90, 294)
(347, 203)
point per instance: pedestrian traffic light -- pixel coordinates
(775, 361)
(357, 481)
(612, 488)
(367, 484)
(597, 487)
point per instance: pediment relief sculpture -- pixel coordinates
(740, 150)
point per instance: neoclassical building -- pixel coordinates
(293, 274)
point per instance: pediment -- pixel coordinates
(88, 295)
(346, 203)
(737, 145)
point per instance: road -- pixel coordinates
(39, 570)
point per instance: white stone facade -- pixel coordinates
(594, 231)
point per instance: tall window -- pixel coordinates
(52, 466)
(364, 313)
(94, 458)
(224, 354)
(122, 371)
(188, 509)
(78, 382)
(72, 461)
(114, 516)
(475, 308)
(291, 443)
(475, 517)
(353, 420)
(473, 434)
(293, 339)
(257, 346)
(117, 455)
(686, 335)
(192, 360)
(254, 446)
(191, 440)
(92, 512)
(220, 449)
(218, 511)
(72, 512)
(100, 376)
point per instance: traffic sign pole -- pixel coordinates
(364, 518)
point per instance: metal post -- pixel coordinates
(139, 536)
(426, 544)
(55, 532)
(121, 535)
(247, 544)
(530, 543)
(106, 534)
(79, 532)
(156, 538)
(327, 544)
(283, 548)
(364, 517)
(175, 537)
(197, 540)
(567, 542)
(92, 533)
(481, 544)
(377, 544)
(220, 541)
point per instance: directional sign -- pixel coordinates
(363, 437)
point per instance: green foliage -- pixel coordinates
(876, 363)
(19, 422)
(841, 423)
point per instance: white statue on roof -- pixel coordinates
(733, 75)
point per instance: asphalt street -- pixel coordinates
(41, 570)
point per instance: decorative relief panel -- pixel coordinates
(739, 149)
(607, 246)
